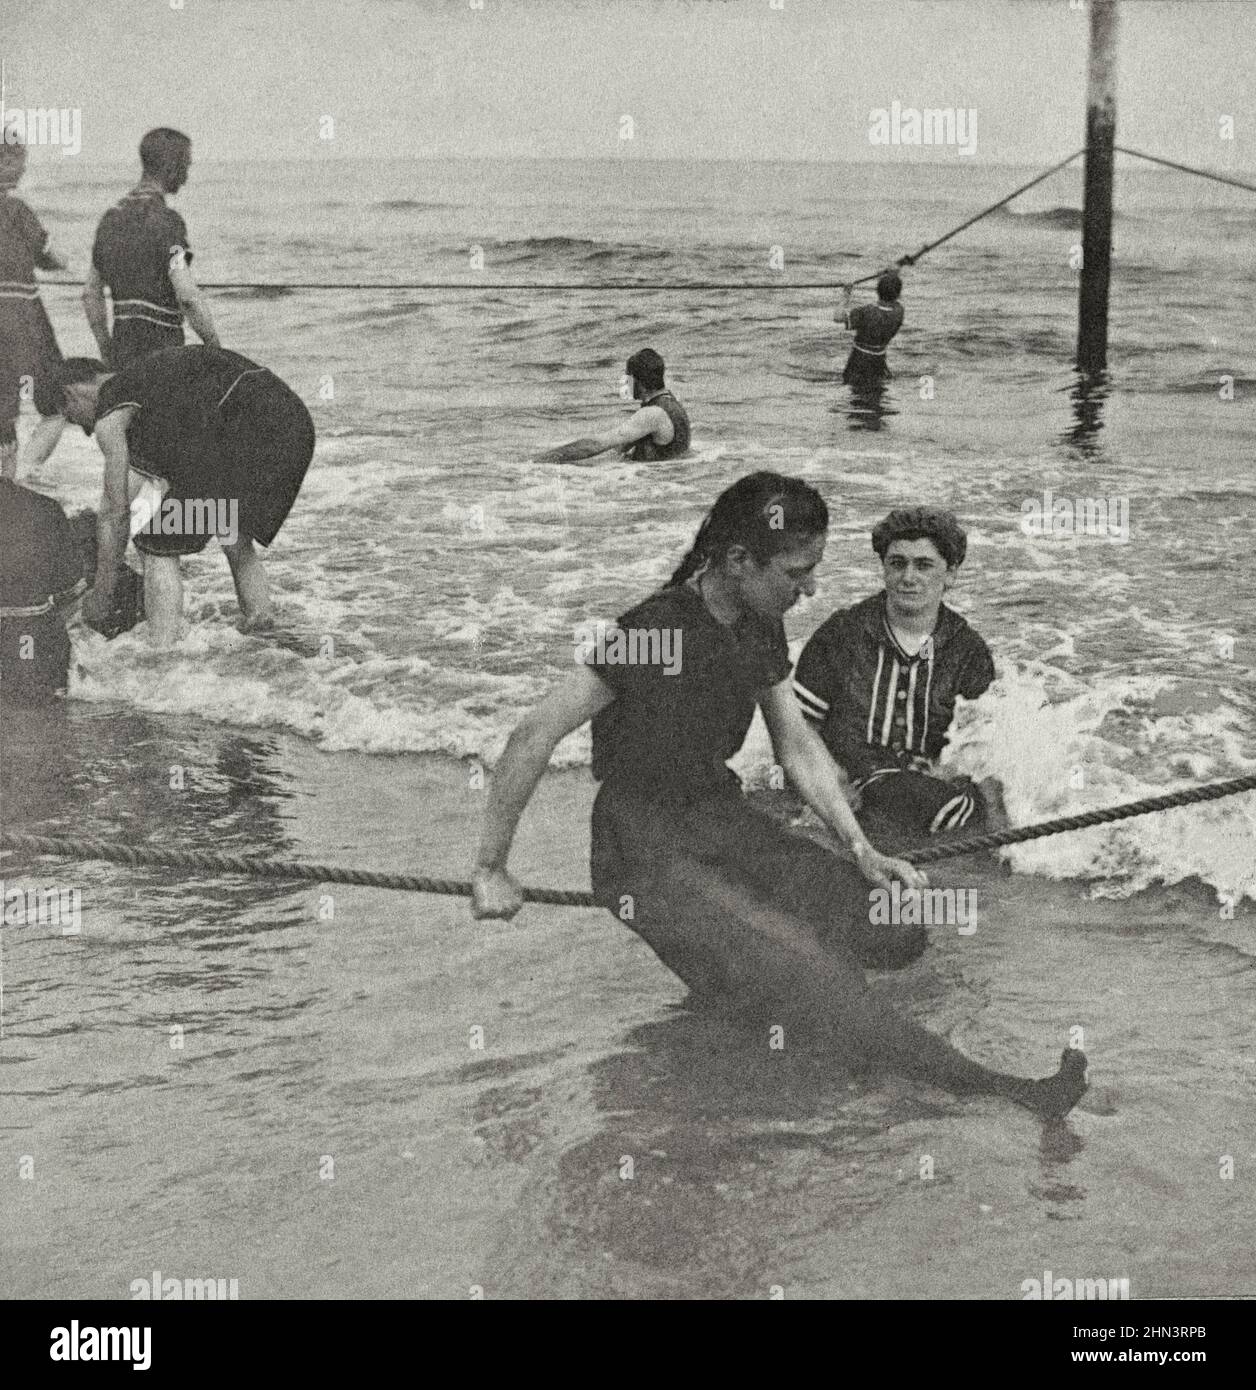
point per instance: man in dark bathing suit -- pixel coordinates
(659, 429)
(225, 441)
(736, 905)
(141, 255)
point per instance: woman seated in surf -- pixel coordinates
(879, 681)
(747, 913)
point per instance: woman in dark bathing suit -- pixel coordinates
(874, 326)
(743, 910)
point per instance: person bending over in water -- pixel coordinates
(879, 680)
(223, 446)
(744, 911)
(873, 325)
(659, 429)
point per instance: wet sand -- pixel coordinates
(502, 1167)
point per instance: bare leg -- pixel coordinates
(8, 460)
(42, 441)
(163, 599)
(774, 966)
(251, 587)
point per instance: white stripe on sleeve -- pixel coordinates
(812, 705)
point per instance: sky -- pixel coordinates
(710, 79)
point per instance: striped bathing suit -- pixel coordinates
(135, 242)
(884, 713)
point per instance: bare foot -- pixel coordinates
(1054, 1096)
(259, 622)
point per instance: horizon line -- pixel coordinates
(950, 160)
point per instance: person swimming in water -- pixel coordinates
(749, 914)
(874, 325)
(659, 429)
(879, 681)
(221, 444)
(28, 346)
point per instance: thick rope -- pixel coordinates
(1187, 796)
(253, 866)
(1186, 168)
(112, 851)
(994, 207)
(778, 285)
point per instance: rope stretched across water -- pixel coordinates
(985, 212)
(253, 866)
(1046, 174)
(1187, 796)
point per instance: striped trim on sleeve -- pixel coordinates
(813, 706)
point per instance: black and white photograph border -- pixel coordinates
(626, 655)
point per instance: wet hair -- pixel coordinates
(934, 524)
(76, 370)
(163, 153)
(765, 512)
(890, 285)
(646, 367)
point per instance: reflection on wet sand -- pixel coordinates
(715, 1167)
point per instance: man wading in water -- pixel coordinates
(223, 444)
(141, 255)
(743, 910)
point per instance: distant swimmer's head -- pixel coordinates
(80, 379)
(921, 550)
(12, 158)
(166, 157)
(759, 544)
(890, 286)
(646, 370)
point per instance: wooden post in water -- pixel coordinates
(1092, 307)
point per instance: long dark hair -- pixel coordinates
(765, 512)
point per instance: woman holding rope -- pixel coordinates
(874, 325)
(745, 912)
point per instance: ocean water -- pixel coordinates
(440, 576)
